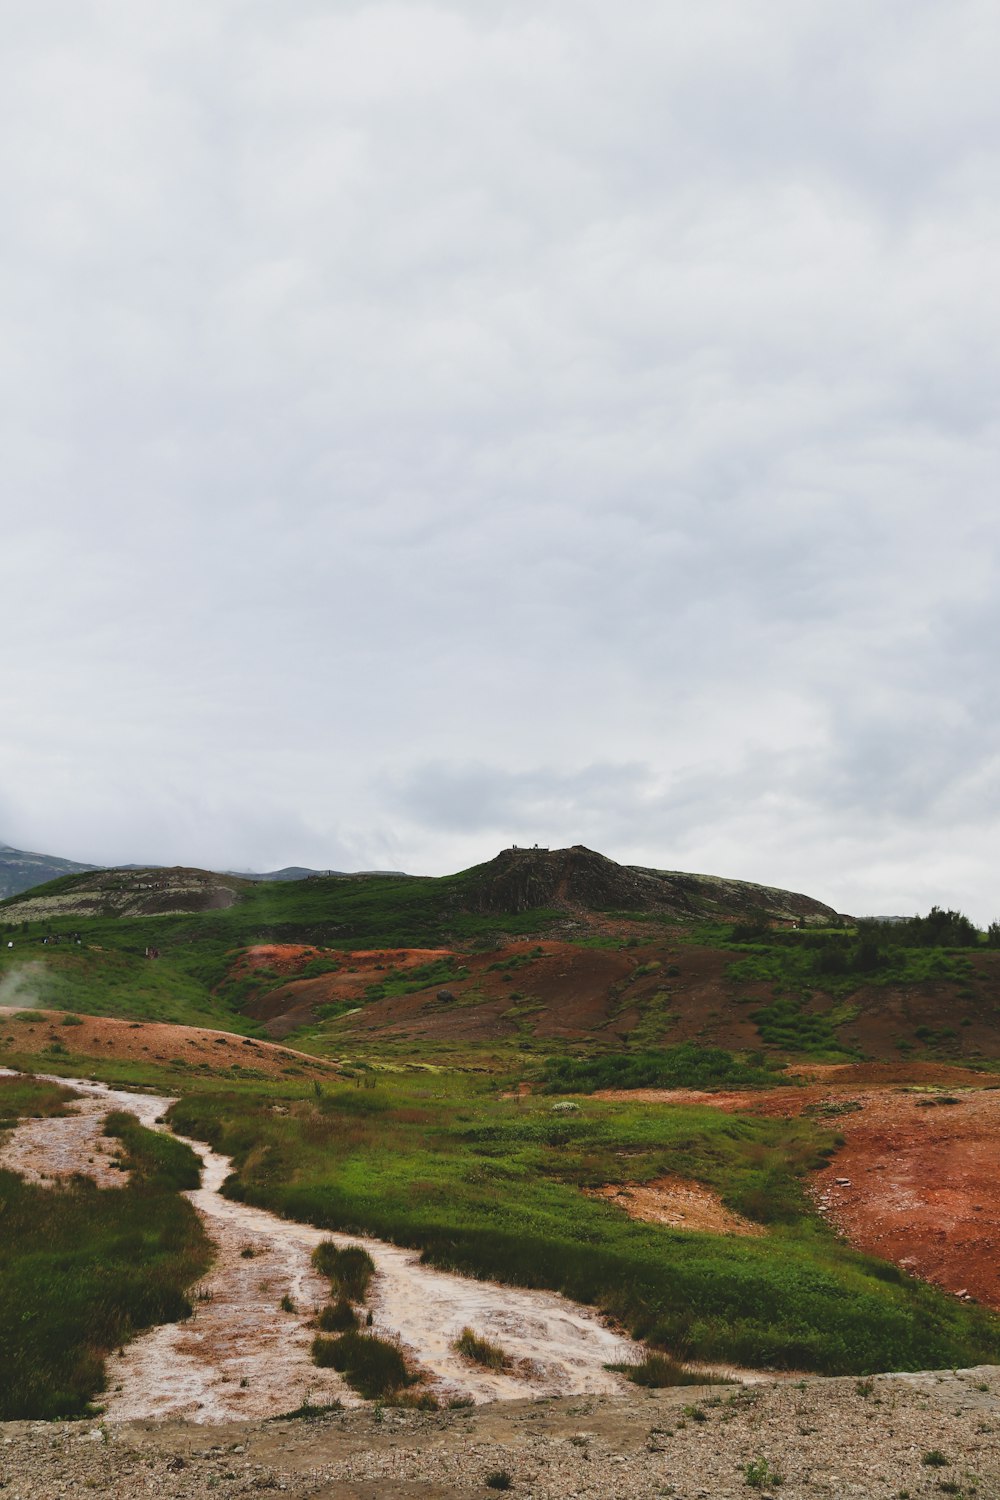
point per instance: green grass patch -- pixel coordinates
(658, 1371)
(350, 1270)
(687, 1065)
(25, 1097)
(82, 1269)
(338, 1317)
(840, 963)
(786, 1024)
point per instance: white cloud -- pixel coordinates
(419, 420)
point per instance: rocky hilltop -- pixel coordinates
(578, 879)
(152, 892)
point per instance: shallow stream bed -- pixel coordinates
(242, 1356)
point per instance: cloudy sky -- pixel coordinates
(431, 426)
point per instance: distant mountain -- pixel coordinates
(300, 872)
(20, 870)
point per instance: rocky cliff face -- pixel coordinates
(579, 878)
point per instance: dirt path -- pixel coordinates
(242, 1356)
(916, 1179)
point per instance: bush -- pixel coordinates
(760, 1476)
(372, 1366)
(350, 1269)
(338, 1317)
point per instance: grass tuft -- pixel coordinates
(350, 1269)
(338, 1317)
(491, 1356)
(657, 1371)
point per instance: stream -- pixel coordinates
(241, 1356)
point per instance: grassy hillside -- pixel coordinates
(340, 965)
(451, 999)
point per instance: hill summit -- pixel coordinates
(580, 879)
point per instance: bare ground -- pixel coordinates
(679, 1204)
(826, 1439)
(31, 1033)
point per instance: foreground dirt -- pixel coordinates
(826, 1439)
(916, 1179)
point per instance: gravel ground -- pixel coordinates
(825, 1438)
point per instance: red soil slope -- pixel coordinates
(658, 993)
(916, 1180)
(148, 1041)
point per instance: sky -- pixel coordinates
(428, 427)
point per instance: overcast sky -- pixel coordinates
(431, 426)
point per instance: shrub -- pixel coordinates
(492, 1356)
(935, 1459)
(350, 1269)
(372, 1366)
(338, 1317)
(500, 1479)
(759, 1475)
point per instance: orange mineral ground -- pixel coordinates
(916, 1179)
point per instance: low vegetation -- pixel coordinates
(684, 1066)
(82, 1269)
(482, 1351)
(338, 1317)
(350, 1270)
(24, 1097)
(658, 1370)
(374, 1367)
(492, 1187)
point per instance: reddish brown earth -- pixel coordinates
(916, 1179)
(678, 1203)
(671, 991)
(294, 1003)
(148, 1041)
